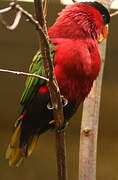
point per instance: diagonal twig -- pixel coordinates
(5, 9)
(45, 8)
(114, 14)
(15, 23)
(24, 74)
(17, 7)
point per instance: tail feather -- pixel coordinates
(14, 144)
(17, 153)
(16, 157)
(32, 144)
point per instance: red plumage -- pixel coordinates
(75, 70)
(77, 65)
(79, 20)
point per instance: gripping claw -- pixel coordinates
(64, 101)
(49, 106)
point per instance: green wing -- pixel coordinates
(32, 84)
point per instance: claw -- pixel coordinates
(64, 101)
(49, 106)
(51, 122)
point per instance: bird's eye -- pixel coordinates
(104, 17)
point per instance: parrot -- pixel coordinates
(74, 52)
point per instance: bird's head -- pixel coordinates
(81, 20)
(102, 32)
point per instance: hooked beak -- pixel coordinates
(103, 35)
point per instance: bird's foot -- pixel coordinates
(59, 130)
(49, 106)
(64, 103)
(53, 122)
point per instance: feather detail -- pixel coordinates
(32, 144)
(14, 152)
(17, 153)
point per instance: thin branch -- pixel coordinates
(89, 125)
(114, 14)
(44, 41)
(28, 16)
(17, 7)
(15, 23)
(19, 73)
(5, 10)
(54, 93)
(45, 9)
(39, 12)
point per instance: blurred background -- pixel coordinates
(16, 51)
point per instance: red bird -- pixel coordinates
(74, 48)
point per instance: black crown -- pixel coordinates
(102, 9)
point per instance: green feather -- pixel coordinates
(32, 84)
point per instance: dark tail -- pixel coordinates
(17, 153)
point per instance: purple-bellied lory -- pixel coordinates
(74, 48)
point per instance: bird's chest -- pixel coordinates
(75, 89)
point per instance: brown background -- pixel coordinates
(16, 51)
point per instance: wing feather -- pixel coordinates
(32, 84)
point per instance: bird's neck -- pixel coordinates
(76, 25)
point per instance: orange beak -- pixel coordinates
(103, 35)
